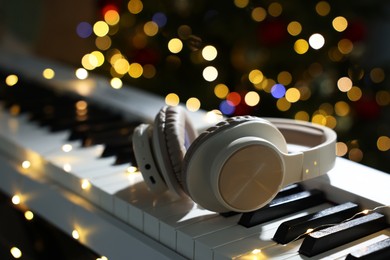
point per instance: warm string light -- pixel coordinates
(257, 252)
(363, 212)
(75, 234)
(85, 184)
(16, 199)
(16, 252)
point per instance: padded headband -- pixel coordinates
(320, 155)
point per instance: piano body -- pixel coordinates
(109, 205)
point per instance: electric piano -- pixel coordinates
(82, 177)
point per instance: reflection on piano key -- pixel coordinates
(292, 229)
(281, 206)
(328, 238)
(262, 239)
(379, 250)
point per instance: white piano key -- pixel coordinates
(187, 235)
(110, 185)
(170, 225)
(206, 245)
(104, 172)
(260, 240)
(77, 165)
(132, 189)
(121, 209)
(153, 215)
(22, 131)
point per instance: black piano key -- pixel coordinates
(376, 251)
(125, 156)
(61, 124)
(320, 241)
(116, 136)
(54, 109)
(290, 230)
(282, 206)
(116, 146)
(288, 190)
(83, 131)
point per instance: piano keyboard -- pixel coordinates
(65, 149)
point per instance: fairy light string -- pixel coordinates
(363, 212)
(257, 252)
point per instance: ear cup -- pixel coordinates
(210, 152)
(172, 135)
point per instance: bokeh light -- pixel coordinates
(226, 107)
(111, 17)
(282, 104)
(383, 143)
(81, 73)
(293, 95)
(135, 70)
(252, 98)
(294, 28)
(150, 28)
(11, 80)
(323, 8)
(100, 28)
(354, 94)
(160, 19)
(209, 52)
(344, 84)
(221, 91)
(116, 83)
(284, 78)
(275, 9)
(210, 73)
(316, 41)
(301, 46)
(377, 75)
(340, 23)
(193, 104)
(48, 73)
(259, 14)
(241, 3)
(278, 91)
(175, 45)
(84, 29)
(341, 149)
(256, 76)
(135, 6)
(234, 98)
(172, 99)
(103, 43)
(302, 115)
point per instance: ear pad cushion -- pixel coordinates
(172, 135)
(272, 134)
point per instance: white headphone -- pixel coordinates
(239, 165)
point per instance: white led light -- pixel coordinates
(85, 184)
(16, 199)
(316, 41)
(67, 148)
(75, 234)
(26, 164)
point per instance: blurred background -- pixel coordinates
(325, 62)
(321, 61)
